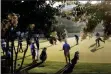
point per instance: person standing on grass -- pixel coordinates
(98, 39)
(3, 45)
(65, 34)
(36, 39)
(20, 43)
(8, 58)
(66, 48)
(77, 39)
(32, 47)
(73, 63)
(54, 37)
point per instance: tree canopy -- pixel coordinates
(100, 12)
(31, 12)
(93, 14)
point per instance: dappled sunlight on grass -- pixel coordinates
(89, 62)
(80, 68)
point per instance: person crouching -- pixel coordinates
(43, 55)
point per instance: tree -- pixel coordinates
(36, 11)
(8, 29)
(31, 12)
(95, 14)
(102, 12)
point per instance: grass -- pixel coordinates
(97, 62)
(50, 67)
(81, 68)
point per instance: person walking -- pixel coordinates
(66, 48)
(20, 43)
(54, 37)
(65, 34)
(98, 39)
(36, 39)
(77, 39)
(32, 47)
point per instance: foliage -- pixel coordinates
(34, 13)
(101, 12)
(31, 12)
(95, 14)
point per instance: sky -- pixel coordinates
(92, 2)
(83, 2)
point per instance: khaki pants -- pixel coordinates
(67, 57)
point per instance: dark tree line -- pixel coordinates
(94, 14)
(28, 12)
(31, 12)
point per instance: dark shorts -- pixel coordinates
(33, 53)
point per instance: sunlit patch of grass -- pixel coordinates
(80, 68)
(88, 62)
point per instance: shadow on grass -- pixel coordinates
(63, 70)
(30, 66)
(34, 65)
(25, 69)
(31, 55)
(73, 46)
(67, 69)
(92, 45)
(22, 58)
(95, 49)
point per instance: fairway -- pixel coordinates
(88, 53)
(81, 68)
(89, 56)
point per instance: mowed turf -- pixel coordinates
(92, 60)
(81, 68)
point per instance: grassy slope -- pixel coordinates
(55, 61)
(97, 62)
(80, 68)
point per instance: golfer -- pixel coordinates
(66, 48)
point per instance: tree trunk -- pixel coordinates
(12, 47)
(23, 57)
(16, 56)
